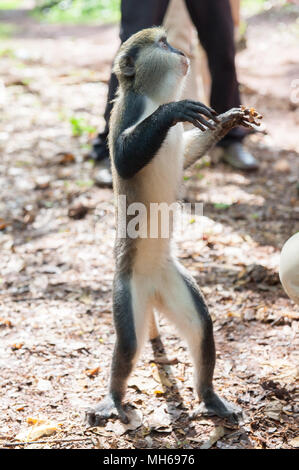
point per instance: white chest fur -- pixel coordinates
(162, 176)
(159, 183)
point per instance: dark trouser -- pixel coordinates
(214, 24)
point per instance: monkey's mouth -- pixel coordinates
(185, 64)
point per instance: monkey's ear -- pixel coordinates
(127, 65)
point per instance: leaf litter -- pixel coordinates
(56, 265)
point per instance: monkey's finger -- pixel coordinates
(250, 125)
(206, 123)
(246, 124)
(205, 111)
(202, 105)
(256, 123)
(202, 120)
(195, 123)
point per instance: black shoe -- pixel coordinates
(103, 177)
(238, 157)
(99, 149)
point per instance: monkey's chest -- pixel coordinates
(160, 182)
(162, 177)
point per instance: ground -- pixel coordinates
(56, 236)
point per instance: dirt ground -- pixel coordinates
(56, 237)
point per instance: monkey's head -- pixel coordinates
(147, 64)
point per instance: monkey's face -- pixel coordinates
(148, 64)
(180, 60)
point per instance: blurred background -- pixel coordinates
(57, 226)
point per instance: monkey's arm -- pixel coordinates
(197, 143)
(137, 145)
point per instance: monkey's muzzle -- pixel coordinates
(185, 64)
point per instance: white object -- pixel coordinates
(289, 267)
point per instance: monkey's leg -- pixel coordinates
(153, 327)
(185, 306)
(129, 309)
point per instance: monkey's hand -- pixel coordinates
(196, 144)
(243, 116)
(192, 111)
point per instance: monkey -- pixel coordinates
(149, 149)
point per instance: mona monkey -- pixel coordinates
(149, 149)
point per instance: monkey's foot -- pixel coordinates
(214, 405)
(104, 410)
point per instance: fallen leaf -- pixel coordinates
(40, 428)
(5, 322)
(273, 410)
(86, 299)
(43, 385)
(78, 211)
(32, 421)
(119, 428)
(92, 372)
(143, 384)
(282, 166)
(160, 420)
(20, 407)
(215, 435)
(3, 224)
(17, 346)
(42, 182)
(294, 442)
(160, 375)
(66, 158)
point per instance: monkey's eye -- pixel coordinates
(163, 43)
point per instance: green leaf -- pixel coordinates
(221, 206)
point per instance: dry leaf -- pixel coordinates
(66, 158)
(294, 442)
(215, 435)
(92, 372)
(16, 346)
(160, 375)
(42, 182)
(160, 420)
(119, 428)
(282, 166)
(77, 211)
(40, 428)
(32, 421)
(20, 407)
(143, 384)
(3, 224)
(273, 410)
(86, 299)
(43, 385)
(5, 322)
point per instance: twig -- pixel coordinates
(25, 299)
(55, 441)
